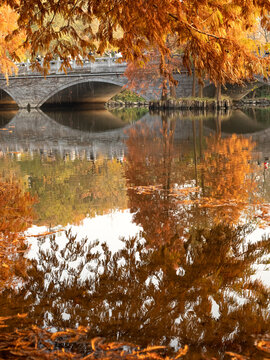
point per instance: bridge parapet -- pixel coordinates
(100, 65)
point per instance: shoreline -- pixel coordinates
(191, 104)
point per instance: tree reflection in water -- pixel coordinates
(15, 217)
(187, 280)
(209, 302)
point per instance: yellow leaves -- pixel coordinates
(203, 29)
(219, 16)
(10, 45)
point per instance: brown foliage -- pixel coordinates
(37, 343)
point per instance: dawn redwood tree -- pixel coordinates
(212, 34)
(13, 50)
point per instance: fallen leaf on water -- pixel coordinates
(21, 316)
(152, 348)
(95, 342)
(236, 356)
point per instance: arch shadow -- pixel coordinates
(6, 100)
(83, 91)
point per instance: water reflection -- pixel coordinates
(85, 133)
(185, 273)
(243, 121)
(205, 299)
(15, 217)
(94, 120)
(6, 116)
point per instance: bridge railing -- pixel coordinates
(101, 64)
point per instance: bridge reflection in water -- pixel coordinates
(64, 130)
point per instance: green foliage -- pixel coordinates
(261, 92)
(260, 115)
(127, 95)
(68, 191)
(130, 114)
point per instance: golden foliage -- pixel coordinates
(228, 181)
(211, 35)
(10, 50)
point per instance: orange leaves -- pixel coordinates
(212, 35)
(235, 356)
(227, 172)
(264, 346)
(10, 46)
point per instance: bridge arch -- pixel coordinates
(235, 91)
(7, 99)
(105, 89)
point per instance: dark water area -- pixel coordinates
(137, 228)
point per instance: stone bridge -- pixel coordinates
(89, 83)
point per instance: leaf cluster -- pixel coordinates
(211, 35)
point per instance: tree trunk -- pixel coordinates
(194, 83)
(172, 91)
(218, 125)
(218, 91)
(200, 91)
(164, 94)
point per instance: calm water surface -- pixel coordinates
(150, 229)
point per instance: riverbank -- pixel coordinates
(263, 102)
(191, 104)
(175, 104)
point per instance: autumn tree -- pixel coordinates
(11, 50)
(149, 75)
(213, 34)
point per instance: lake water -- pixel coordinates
(148, 229)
